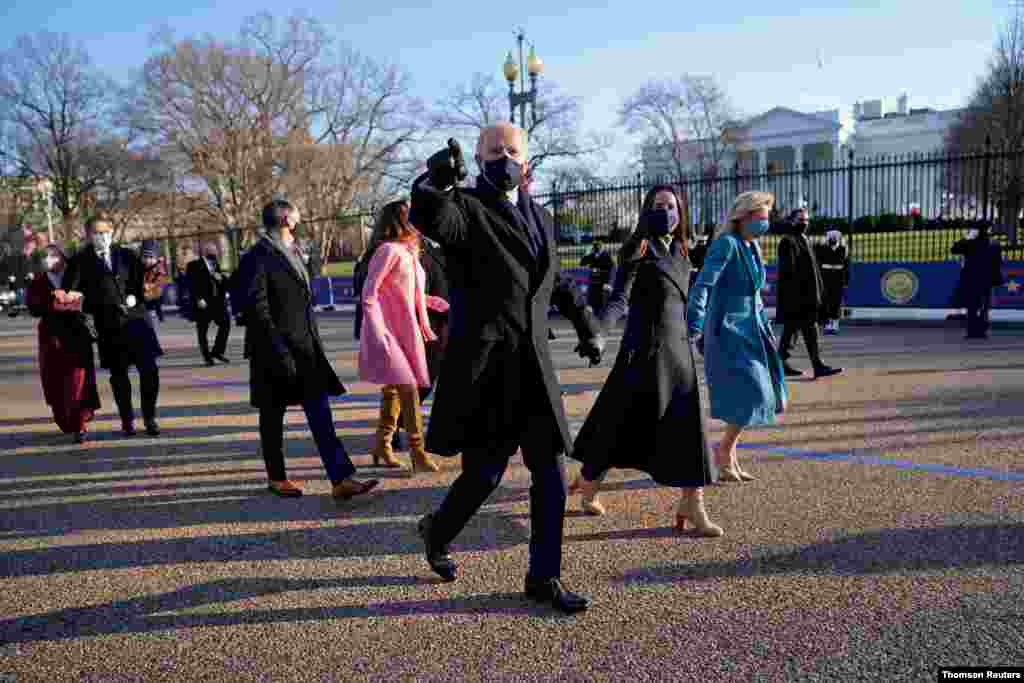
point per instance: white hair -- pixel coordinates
(746, 203)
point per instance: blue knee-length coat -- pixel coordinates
(744, 372)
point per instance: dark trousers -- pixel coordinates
(977, 316)
(149, 387)
(482, 470)
(321, 422)
(220, 344)
(157, 307)
(809, 330)
(597, 297)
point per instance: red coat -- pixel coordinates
(66, 364)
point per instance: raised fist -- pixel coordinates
(447, 167)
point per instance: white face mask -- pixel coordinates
(51, 262)
(102, 241)
(970, 234)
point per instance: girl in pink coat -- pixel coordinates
(395, 330)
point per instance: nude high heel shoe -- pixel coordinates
(744, 475)
(588, 495)
(727, 471)
(691, 512)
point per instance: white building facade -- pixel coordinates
(802, 156)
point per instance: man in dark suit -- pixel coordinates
(982, 272)
(287, 363)
(798, 296)
(110, 279)
(209, 286)
(602, 275)
(498, 390)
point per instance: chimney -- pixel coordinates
(857, 110)
(902, 104)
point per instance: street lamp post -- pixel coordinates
(534, 66)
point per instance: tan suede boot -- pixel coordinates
(412, 418)
(390, 409)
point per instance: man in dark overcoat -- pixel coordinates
(981, 273)
(602, 275)
(110, 278)
(209, 287)
(798, 296)
(287, 362)
(498, 391)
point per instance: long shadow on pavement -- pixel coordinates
(148, 614)
(487, 531)
(887, 551)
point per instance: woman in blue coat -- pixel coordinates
(744, 372)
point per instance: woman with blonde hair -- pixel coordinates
(648, 414)
(394, 332)
(744, 372)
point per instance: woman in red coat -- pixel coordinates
(66, 363)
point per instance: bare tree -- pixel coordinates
(995, 115)
(236, 112)
(688, 117)
(554, 135)
(60, 111)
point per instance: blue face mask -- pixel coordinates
(660, 221)
(757, 227)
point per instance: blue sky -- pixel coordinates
(764, 53)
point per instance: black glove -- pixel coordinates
(447, 167)
(591, 349)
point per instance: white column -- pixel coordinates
(838, 181)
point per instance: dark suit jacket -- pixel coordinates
(281, 330)
(205, 286)
(123, 332)
(799, 287)
(498, 365)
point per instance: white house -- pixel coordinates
(770, 148)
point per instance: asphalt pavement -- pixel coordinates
(881, 540)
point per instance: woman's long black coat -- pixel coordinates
(648, 416)
(280, 323)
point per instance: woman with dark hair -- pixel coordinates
(395, 332)
(648, 415)
(66, 364)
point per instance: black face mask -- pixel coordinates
(504, 173)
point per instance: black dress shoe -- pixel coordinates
(222, 358)
(437, 556)
(152, 428)
(79, 437)
(826, 371)
(552, 592)
(208, 361)
(128, 429)
(790, 371)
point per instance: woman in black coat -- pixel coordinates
(648, 415)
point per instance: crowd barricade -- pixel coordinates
(900, 284)
(872, 285)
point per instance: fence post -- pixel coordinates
(986, 171)
(556, 214)
(639, 192)
(849, 199)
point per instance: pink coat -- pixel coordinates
(392, 347)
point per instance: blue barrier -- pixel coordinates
(872, 285)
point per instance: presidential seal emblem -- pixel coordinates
(900, 286)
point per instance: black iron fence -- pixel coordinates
(899, 208)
